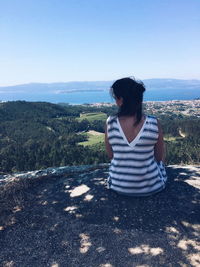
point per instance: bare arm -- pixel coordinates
(159, 149)
(107, 145)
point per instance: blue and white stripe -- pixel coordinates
(134, 170)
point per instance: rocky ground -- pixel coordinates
(73, 220)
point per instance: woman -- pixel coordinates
(134, 143)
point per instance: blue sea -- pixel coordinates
(101, 96)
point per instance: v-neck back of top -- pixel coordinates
(137, 137)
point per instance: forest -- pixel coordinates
(38, 135)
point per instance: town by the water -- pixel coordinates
(184, 107)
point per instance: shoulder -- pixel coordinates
(152, 119)
(153, 122)
(111, 119)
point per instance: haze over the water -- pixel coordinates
(60, 41)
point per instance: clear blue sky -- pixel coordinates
(87, 40)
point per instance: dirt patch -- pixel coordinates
(95, 133)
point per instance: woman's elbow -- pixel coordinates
(110, 155)
(159, 157)
(159, 154)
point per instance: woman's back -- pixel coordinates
(130, 130)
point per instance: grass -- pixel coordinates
(96, 137)
(93, 138)
(93, 116)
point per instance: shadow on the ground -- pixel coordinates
(76, 221)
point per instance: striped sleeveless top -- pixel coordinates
(133, 170)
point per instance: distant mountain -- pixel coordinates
(68, 87)
(155, 84)
(56, 88)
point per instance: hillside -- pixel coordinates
(38, 135)
(68, 218)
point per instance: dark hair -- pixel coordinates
(132, 93)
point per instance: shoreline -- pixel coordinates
(148, 102)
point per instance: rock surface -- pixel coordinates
(70, 219)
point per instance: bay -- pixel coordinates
(101, 96)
